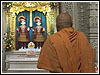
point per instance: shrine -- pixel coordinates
(27, 24)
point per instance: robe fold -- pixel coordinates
(67, 51)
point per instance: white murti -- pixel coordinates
(38, 31)
(23, 29)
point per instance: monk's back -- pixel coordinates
(71, 45)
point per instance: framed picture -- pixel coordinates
(31, 51)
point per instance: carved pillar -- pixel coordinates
(4, 27)
(83, 17)
(93, 34)
(67, 7)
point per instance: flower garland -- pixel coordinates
(96, 67)
(54, 5)
(8, 41)
(6, 5)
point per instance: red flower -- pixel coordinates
(4, 6)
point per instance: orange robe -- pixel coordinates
(67, 51)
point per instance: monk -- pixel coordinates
(68, 50)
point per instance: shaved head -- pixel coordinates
(63, 20)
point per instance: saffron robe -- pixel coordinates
(67, 51)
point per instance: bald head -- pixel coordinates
(63, 20)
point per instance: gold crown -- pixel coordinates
(21, 17)
(37, 18)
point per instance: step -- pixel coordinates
(34, 70)
(21, 63)
(20, 55)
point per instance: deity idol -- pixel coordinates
(39, 33)
(24, 32)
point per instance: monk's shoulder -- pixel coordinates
(82, 35)
(54, 37)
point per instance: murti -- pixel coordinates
(23, 30)
(37, 31)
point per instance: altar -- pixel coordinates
(19, 61)
(24, 60)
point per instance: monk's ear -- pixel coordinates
(71, 23)
(58, 27)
